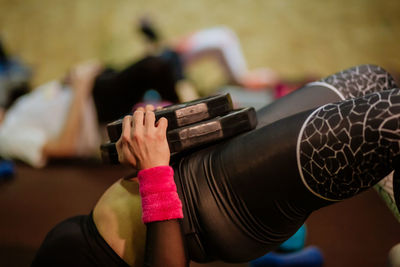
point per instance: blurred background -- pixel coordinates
(297, 39)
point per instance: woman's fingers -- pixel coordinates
(143, 143)
(123, 145)
(128, 156)
(142, 115)
(162, 124)
(126, 128)
(138, 117)
(150, 120)
(149, 107)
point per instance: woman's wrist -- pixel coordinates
(160, 200)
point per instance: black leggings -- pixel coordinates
(244, 197)
(115, 93)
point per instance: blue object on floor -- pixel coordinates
(296, 242)
(307, 257)
(151, 96)
(7, 169)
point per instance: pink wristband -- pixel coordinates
(160, 200)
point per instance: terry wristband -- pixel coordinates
(160, 200)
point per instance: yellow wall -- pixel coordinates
(293, 37)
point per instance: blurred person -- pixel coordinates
(243, 197)
(220, 43)
(55, 120)
(116, 91)
(15, 77)
(61, 118)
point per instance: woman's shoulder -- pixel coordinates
(118, 218)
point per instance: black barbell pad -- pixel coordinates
(210, 131)
(109, 153)
(199, 134)
(179, 115)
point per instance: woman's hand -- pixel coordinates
(143, 143)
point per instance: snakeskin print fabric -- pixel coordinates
(361, 80)
(346, 147)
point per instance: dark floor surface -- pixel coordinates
(357, 232)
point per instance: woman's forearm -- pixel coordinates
(65, 144)
(81, 82)
(164, 244)
(162, 210)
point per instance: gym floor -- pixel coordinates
(357, 232)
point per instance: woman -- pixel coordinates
(61, 118)
(243, 197)
(219, 43)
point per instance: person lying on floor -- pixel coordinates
(241, 198)
(55, 120)
(219, 43)
(61, 118)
